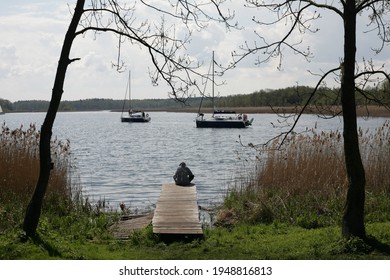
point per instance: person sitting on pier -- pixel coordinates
(183, 175)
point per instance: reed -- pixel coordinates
(19, 169)
(304, 182)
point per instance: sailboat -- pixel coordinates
(221, 118)
(133, 115)
(1, 111)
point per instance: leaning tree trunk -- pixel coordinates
(33, 212)
(353, 218)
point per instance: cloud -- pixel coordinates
(31, 41)
(32, 34)
(7, 57)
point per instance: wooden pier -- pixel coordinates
(177, 211)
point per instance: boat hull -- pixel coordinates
(221, 124)
(135, 120)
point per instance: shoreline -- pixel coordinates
(362, 111)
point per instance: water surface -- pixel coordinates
(128, 162)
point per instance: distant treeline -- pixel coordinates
(94, 104)
(291, 96)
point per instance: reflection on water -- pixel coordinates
(128, 162)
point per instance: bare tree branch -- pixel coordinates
(179, 71)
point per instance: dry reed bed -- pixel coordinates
(19, 169)
(315, 161)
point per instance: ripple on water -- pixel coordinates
(125, 162)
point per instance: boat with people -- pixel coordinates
(136, 116)
(221, 118)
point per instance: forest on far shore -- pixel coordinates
(286, 97)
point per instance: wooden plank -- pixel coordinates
(174, 212)
(175, 220)
(177, 211)
(179, 231)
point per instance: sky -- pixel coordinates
(32, 34)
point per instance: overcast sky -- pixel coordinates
(32, 33)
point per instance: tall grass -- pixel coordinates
(304, 182)
(66, 213)
(19, 169)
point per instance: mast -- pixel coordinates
(129, 89)
(124, 100)
(212, 86)
(212, 69)
(212, 79)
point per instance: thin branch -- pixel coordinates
(308, 102)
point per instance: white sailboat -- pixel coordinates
(1, 111)
(133, 115)
(222, 118)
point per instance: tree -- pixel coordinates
(296, 18)
(6, 104)
(158, 38)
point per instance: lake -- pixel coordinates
(128, 162)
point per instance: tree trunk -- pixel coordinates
(353, 218)
(33, 212)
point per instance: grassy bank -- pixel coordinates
(276, 241)
(290, 208)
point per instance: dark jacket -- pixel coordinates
(183, 176)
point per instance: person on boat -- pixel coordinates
(183, 175)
